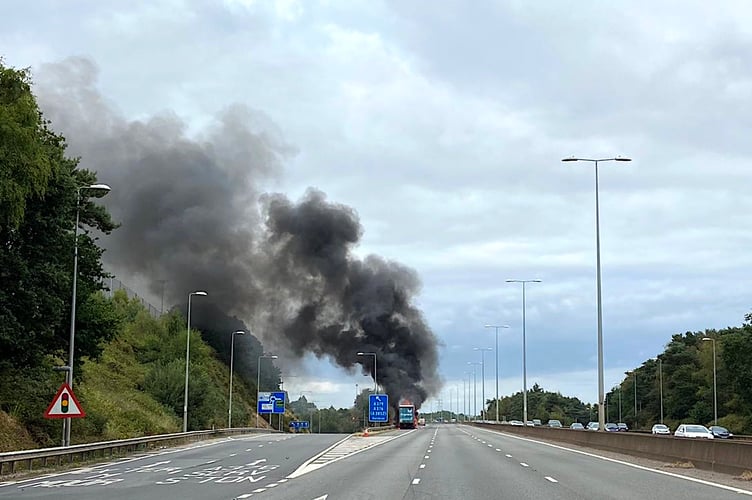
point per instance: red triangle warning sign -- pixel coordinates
(64, 404)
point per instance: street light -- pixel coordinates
(187, 358)
(258, 382)
(232, 358)
(71, 343)
(660, 383)
(496, 327)
(482, 377)
(475, 389)
(634, 372)
(375, 383)
(715, 387)
(466, 394)
(601, 394)
(524, 354)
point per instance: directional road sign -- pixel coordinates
(64, 404)
(378, 408)
(299, 424)
(271, 402)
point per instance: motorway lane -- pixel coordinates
(582, 474)
(218, 469)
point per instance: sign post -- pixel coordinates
(64, 404)
(378, 408)
(271, 402)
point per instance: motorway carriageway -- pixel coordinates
(444, 461)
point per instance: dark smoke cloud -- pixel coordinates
(193, 212)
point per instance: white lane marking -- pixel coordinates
(429, 450)
(426, 457)
(508, 455)
(209, 462)
(422, 466)
(271, 485)
(233, 454)
(322, 497)
(524, 464)
(490, 446)
(259, 490)
(498, 449)
(549, 478)
(246, 495)
(261, 446)
(282, 481)
(416, 480)
(634, 466)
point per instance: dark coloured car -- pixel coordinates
(611, 427)
(720, 432)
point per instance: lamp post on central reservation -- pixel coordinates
(475, 389)
(601, 389)
(715, 387)
(232, 358)
(187, 359)
(524, 355)
(496, 327)
(258, 382)
(482, 378)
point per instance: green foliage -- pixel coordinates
(542, 404)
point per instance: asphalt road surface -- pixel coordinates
(435, 462)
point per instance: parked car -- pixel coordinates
(693, 431)
(592, 426)
(720, 432)
(537, 422)
(577, 426)
(611, 427)
(622, 427)
(554, 423)
(660, 429)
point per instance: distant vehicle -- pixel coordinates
(577, 426)
(530, 423)
(554, 423)
(611, 427)
(516, 423)
(660, 429)
(408, 416)
(592, 426)
(421, 421)
(693, 431)
(720, 432)
(622, 427)
(537, 422)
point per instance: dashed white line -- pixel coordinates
(422, 466)
(426, 457)
(498, 449)
(259, 490)
(416, 480)
(508, 455)
(524, 464)
(490, 446)
(233, 454)
(549, 478)
(246, 495)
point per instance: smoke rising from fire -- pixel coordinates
(194, 212)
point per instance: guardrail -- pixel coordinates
(730, 456)
(42, 456)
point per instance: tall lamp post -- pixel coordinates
(375, 383)
(496, 327)
(524, 355)
(475, 389)
(660, 383)
(482, 378)
(232, 358)
(258, 381)
(468, 404)
(715, 387)
(634, 372)
(187, 358)
(601, 393)
(106, 189)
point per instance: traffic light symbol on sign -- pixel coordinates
(64, 402)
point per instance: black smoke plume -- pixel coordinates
(194, 214)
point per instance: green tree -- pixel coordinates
(38, 204)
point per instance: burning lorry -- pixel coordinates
(407, 416)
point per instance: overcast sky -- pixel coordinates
(443, 124)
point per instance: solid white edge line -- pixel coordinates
(634, 466)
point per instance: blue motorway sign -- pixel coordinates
(299, 424)
(378, 408)
(271, 402)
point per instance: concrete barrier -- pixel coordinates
(720, 455)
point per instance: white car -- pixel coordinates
(693, 431)
(660, 429)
